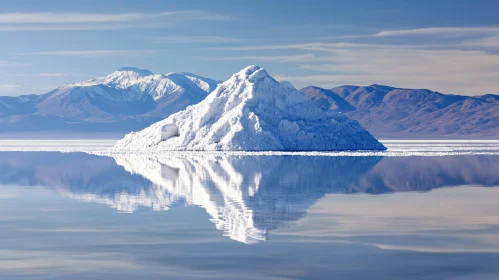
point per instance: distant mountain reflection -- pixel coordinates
(246, 196)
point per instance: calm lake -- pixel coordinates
(418, 211)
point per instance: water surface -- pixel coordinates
(83, 216)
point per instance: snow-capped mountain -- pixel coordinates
(125, 99)
(389, 112)
(253, 112)
(141, 81)
(128, 91)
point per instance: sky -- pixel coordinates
(451, 46)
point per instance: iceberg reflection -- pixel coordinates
(246, 196)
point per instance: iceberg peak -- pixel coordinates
(252, 74)
(249, 70)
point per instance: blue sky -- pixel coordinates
(449, 45)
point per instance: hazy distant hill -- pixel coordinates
(328, 99)
(389, 112)
(10, 105)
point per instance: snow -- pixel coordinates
(168, 131)
(138, 82)
(204, 83)
(253, 112)
(141, 72)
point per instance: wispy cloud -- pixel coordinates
(52, 74)
(436, 31)
(45, 18)
(8, 86)
(274, 58)
(101, 21)
(81, 26)
(94, 53)
(6, 63)
(200, 15)
(429, 31)
(316, 46)
(68, 17)
(198, 39)
(488, 42)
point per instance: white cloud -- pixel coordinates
(273, 58)
(48, 18)
(8, 86)
(94, 53)
(488, 42)
(5, 63)
(319, 46)
(436, 31)
(68, 17)
(429, 31)
(197, 15)
(49, 21)
(77, 27)
(198, 39)
(52, 74)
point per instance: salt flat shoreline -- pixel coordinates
(395, 148)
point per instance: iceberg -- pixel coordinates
(252, 112)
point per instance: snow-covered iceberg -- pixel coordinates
(253, 112)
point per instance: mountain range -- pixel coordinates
(389, 112)
(127, 99)
(131, 99)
